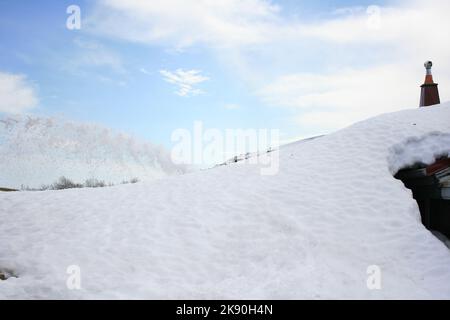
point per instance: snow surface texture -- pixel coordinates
(311, 231)
(36, 151)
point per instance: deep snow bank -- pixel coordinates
(310, 231)
(36, 151)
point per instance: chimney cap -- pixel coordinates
(428, 65)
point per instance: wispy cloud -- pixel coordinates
(17, 95)
(333, 100)
(186, 81)
(145, 71)
(92, 54)
(182, 23)
(232, 106)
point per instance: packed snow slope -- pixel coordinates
(36, 151)
(310, 231)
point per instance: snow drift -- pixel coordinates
(36, 151)
(311, 231)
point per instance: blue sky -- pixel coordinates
(304, 67)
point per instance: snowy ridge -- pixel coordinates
(36, 151)
(310, 231)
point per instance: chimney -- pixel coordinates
(430, 93)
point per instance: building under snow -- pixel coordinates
(431, 188)
(430, 184)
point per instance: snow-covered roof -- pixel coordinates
(311, 231)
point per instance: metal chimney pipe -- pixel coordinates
(429, 94)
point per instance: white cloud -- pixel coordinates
(335, 100)
(232, 106)
(92, 54)
(182, 23)
(145, 71)
(185, 81)
(348, 65)
(16, 94)
(386, 79)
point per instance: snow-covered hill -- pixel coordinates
(310, 231)
(36, 151)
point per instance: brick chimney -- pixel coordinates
(430, 93)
